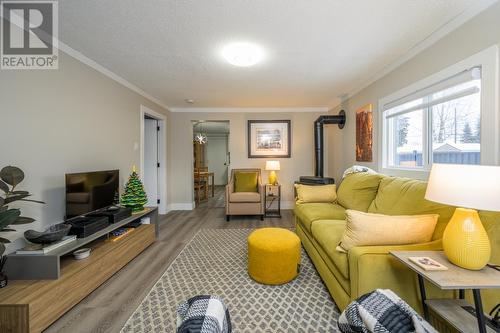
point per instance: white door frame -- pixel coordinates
(162, 151)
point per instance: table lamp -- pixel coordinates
(465, 241)
(273, 166)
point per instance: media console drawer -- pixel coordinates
(31, 306)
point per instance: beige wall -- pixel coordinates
(301, 162)
(476, 35)
(67, 120)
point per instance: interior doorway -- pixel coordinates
(153, 158)
(211, 159)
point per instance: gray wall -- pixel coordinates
(67, 120)
(181, 164)
(476, 35)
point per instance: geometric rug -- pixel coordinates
(214, 262)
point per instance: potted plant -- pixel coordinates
(10, 177)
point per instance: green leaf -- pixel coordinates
(8, 217)
(30, 200)
(15, 197)
(3, 209)
(12, 175)
(4, 240)
(20, 192)
(23, 220)
(2, 249)
(4, 187)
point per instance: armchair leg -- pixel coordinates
(227, 218)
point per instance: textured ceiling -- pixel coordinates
(316, 50)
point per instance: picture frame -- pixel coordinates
(364, 133)
(269, 139)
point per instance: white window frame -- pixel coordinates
(490, 121)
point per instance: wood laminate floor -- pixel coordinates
(109, 306)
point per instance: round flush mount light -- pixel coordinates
(243, 54)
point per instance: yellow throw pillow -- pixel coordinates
(319, 193)
(245, 181)
(364, 229)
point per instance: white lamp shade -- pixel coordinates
(272, 165)
(469, 186)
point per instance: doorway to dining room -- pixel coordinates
(211, 161)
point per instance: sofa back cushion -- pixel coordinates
(404, 196)
(358, 190)
(245, 181)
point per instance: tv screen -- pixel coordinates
(90, 191)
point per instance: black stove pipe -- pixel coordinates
(318, 138)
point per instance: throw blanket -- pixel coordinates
(203, 314)
(356, 169)
(382, 311)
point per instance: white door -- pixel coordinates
(151, 163)
(217, 158)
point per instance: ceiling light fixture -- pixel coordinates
(242, 54)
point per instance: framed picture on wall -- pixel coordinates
(269, 138)
(364, 134)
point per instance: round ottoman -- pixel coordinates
(273, 255)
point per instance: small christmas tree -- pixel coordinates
(134, 195)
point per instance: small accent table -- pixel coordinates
(453, 310)
(272, 197)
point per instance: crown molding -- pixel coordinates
(103, 70)
(249, 109)
(430, 40)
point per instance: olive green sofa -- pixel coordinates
(347, 276)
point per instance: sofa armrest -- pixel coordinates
(372, 267)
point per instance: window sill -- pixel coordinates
(406, 172)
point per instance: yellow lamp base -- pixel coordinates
(465, 242)
(273, 180)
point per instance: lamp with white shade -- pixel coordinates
(465, 241)
(273, 166)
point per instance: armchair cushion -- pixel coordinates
(246, 181)
(244, 197)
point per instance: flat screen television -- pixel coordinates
(90, 191)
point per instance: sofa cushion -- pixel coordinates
(358, 190)
(364, 229)
(245, 181)
(405, 196)
(307, 213)
(244, 197)
(327, 234)
(310, 193)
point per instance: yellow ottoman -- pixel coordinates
(273, 255)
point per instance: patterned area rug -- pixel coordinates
(215, 262)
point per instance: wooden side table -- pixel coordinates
(455, 278)
(272, 197)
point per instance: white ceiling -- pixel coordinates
(316, 50)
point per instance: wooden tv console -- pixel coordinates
(32, 305)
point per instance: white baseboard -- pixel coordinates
(180, 206)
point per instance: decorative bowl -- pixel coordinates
(51, 234)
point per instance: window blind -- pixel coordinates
(396, 108)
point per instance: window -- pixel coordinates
(438, 124)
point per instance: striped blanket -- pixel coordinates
(382, 311)
(203, 314)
